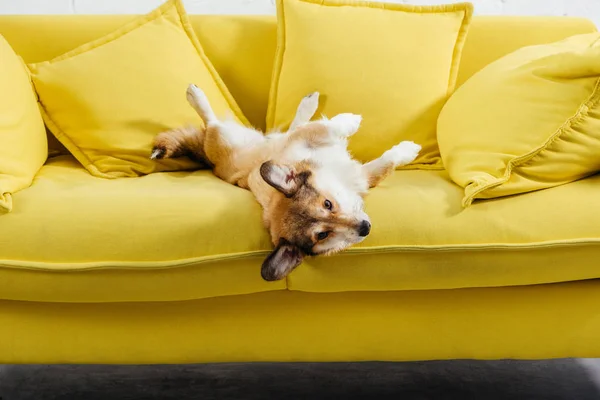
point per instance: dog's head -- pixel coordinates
(316, 212)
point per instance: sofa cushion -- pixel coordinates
(106, 100)
(422, 238)
(344, 50)
(169, 236)
(186, 235)
(241, 47)
(528, 121)
(23, 145)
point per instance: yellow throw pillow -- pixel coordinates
(528, 121)
(23, 143)
(106, 100)
(394, 64)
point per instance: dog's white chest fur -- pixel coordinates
(335, 166)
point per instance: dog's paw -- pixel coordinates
(194, 94)
(344, 125)
(403, 153)
(158, 153)
(165, 146)
(310, 103)
(306, 109)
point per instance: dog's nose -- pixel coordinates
(365, 228)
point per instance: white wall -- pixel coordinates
(582, 8)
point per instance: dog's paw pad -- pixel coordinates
(403, 153)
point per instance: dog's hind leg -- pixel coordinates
(199, 102)
(234, 134)
(380, 168)
(305, 111)
(179, 142)
(188, 141)
(221, 138)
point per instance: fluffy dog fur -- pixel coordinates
(310, 188)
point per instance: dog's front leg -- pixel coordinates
(380, 168)
(306, 110)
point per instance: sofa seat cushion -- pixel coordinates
(422, 238)
(187, 235)
(164, 236)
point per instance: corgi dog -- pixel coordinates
(310, 188)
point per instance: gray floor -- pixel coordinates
(547, 380)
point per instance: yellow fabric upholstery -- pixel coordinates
(242, 48)
(422, 238)
(106, 100)
(343, 50)
(528, 121)
(158, 237)
(22, 136)
(64, 247)
(533, 322)
(492, 37)
(189, 235)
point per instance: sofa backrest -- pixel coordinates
(242, 48)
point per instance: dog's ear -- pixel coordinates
(283, 178)
(281, 261)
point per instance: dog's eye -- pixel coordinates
(327, 205)
(322, 235)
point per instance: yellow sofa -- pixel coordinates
(113, 271)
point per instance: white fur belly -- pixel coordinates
(239, 136)
(323, 155)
